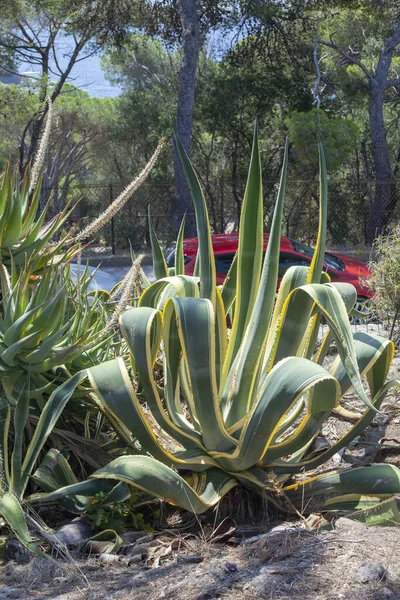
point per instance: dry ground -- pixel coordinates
(290, 563)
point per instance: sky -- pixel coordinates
(86, 74)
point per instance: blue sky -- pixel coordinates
(86, 74)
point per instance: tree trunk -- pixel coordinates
(184, 117)
(383, 170)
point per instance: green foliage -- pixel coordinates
(117, 515)
(385, 279)
(337, 134)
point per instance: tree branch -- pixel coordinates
(348, 57)
(393, 82)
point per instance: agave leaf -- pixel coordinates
(291, 379)
(159, 264)
(329, 301)
(21, 414)
(179, 256)
(159, 480)
(244, 374)
(206, 261)
(157, 294)
(249, 255)
(175, 375)
(317, 262)
(5, 417)
(377, 479)
(79, 494)
(46, 423)
(196, 328)
(228, 291)
(114, 390)
(109, 535)
(12, 512)
(138, 326)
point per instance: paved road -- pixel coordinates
(107, 277)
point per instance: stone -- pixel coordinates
(370, 570)
(75, 532)
(14, 550)
(108, 559)
(8, 593)
(131, 537)
(349, 525)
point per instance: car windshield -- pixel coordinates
(171, 259)
(330, 260)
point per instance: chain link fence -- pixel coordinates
(353, 206)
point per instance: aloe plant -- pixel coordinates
(24, 233)
(244, 408)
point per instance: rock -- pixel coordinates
(190, 558)
(8, 593)
(142, 549)
(14, 550)
(230, 567)
(261, 585)
(98, 547)
(371, 570)
(349, 525)
(108, 559)
(75, 532)
(132, 537)
(135, 559)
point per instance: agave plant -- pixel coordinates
(24, 234)
(245, 408)
(48, 324)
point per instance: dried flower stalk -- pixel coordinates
(42, 147)
(127, 286)
(119, 202)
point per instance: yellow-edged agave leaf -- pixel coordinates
(179, 255)
(205, 255)
(123, 404)
(196, 328)
(241, 382)
(372, 510)
(157, 294)
(328, 300)
(317, 262)
(159, 264)
(153, 477)
(159, 480)
(228, 291)
(290, 380)
(249, 254)
(381, 478)
(139, 327)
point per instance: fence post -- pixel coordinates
(112, 225)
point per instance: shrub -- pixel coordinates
(385, 280)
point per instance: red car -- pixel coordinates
(339, 266)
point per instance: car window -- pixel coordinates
(223, 262)
(287, 260)
(171, 259)
(331, 261)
